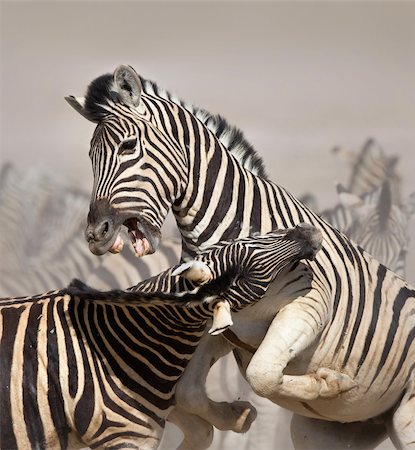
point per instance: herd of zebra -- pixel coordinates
(331, 339)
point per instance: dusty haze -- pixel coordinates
(297, 78)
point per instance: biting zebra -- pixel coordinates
(81, 367)
(327, 339)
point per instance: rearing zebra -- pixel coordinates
(344, 332)
(83, 367)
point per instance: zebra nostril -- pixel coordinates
(89, 235)
(99, 232)
(105, 228)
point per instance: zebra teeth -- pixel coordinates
(117, 246)
(138, 238)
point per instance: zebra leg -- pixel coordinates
(198, 434)
(294, 328)
(191, 393)
(401, 427)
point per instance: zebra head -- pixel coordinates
(129, 188)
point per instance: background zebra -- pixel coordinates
(84, 367)
(375, 223)
(370, 168)
(371, 210)
(150, 153)
(42, 223)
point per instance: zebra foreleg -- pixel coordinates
(191, 394)
(198, 434)
(295, 327)
(401, 427)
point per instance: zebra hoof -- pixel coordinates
(196, 271)
(333, 383)
(244, 415)
(222, 318)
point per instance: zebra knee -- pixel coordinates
(401, 427)
(263, 380)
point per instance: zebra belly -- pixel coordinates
(358, 406)
(378, 389)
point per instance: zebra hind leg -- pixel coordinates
(289, 334)
(401, 427)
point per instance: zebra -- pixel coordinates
(370, 168)
(42, 222)
(375, 223)
(326, 337)
(371, 211)
(85, 367)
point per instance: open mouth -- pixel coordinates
(141, 243)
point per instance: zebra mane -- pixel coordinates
(184, 299)
(100, 93)
(384, 205)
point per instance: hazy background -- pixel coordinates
(297, 78)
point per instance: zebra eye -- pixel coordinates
(127, 147)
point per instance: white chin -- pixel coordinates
(117, 246)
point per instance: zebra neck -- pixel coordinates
(230, 136)
(222, 198)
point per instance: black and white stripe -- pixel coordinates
(42, 224)
(81, 367)
(354, 314)
(371, 211)
(375, 223)
(370, 168)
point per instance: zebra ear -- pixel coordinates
(128, 85)
(77, 104)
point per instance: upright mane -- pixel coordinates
(100, 93)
